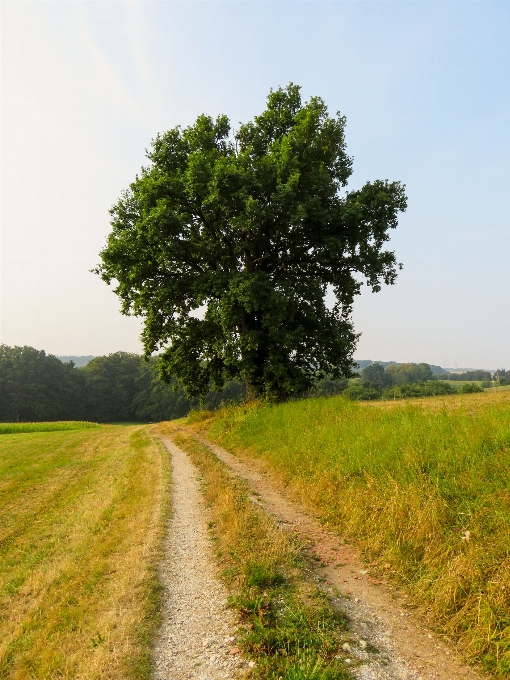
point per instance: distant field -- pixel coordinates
(81, 520)
(423, 487)
(63, 425)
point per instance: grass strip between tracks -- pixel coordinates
(288, 625)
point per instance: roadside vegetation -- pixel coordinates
(287, 624)
(81, 522)
(422, 488)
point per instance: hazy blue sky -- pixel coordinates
(425, 87)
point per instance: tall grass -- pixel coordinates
(58, 426)
(423, 490)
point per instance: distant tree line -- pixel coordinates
(401, 381)
(121, 387)
(470, 375)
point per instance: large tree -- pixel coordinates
(250, 228)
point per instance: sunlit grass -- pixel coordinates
(22, 428)
(81, 521)
(423, 488)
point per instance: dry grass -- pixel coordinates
(81, 525)
(421, 487)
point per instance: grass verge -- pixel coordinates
(288, 625)
(23, 428)
(81, 524)
(422, 488)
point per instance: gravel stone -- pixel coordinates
(198, 631)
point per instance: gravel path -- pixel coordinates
(196, 639)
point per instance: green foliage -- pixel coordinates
(120, 387)
(376, 375)
(431, 388)
(327, 387)
(469, 388)
(253, 229)
(409, 373)
(366, 391)
(400, 381)
(502, 377)
(35, 386)
(22, 428)
(111, 383)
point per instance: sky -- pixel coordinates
(425, 87)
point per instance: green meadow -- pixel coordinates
(57, 426)
(422, 487)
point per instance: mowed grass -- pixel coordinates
(422, 487)
(57, 426)
(81, 520)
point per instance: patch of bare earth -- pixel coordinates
(388, 640)
(197, 637)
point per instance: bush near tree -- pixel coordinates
(430, 388)
(470, 388)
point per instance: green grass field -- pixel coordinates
(81, 520)
(422, 487)
(59, 426)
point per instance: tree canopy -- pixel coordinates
(402, 374)
(252, 227)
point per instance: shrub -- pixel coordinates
(362, 392)
(468, 388)
(431, 388)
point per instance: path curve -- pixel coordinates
(377, 613)
(197, 634)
